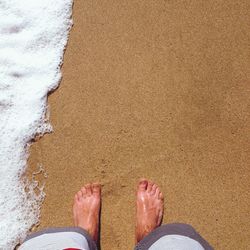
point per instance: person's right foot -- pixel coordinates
(149, 209)
(86, 209)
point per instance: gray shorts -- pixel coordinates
(58, 239)
(173, 236)
(167, 237)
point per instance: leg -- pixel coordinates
(86, 209)
(149, 209)
(150, 235)
(84, 235)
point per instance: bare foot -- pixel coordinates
(86, 209)
(149, 209)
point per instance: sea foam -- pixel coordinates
(33, 35)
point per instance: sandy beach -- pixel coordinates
(155, 89)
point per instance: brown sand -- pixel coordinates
(158, 89)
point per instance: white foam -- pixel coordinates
(33, 35)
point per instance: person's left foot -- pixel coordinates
(86, 209)
(149, 209)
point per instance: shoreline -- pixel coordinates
(159, 91)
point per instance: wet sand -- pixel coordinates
(158, 89)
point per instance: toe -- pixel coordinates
(161, 197)
(88, 189)
(79, 195)
(84, 191)
(96, 187)
(142, 185)
(154, 188)
(150, 185)
(75, 198)
(157, 192)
